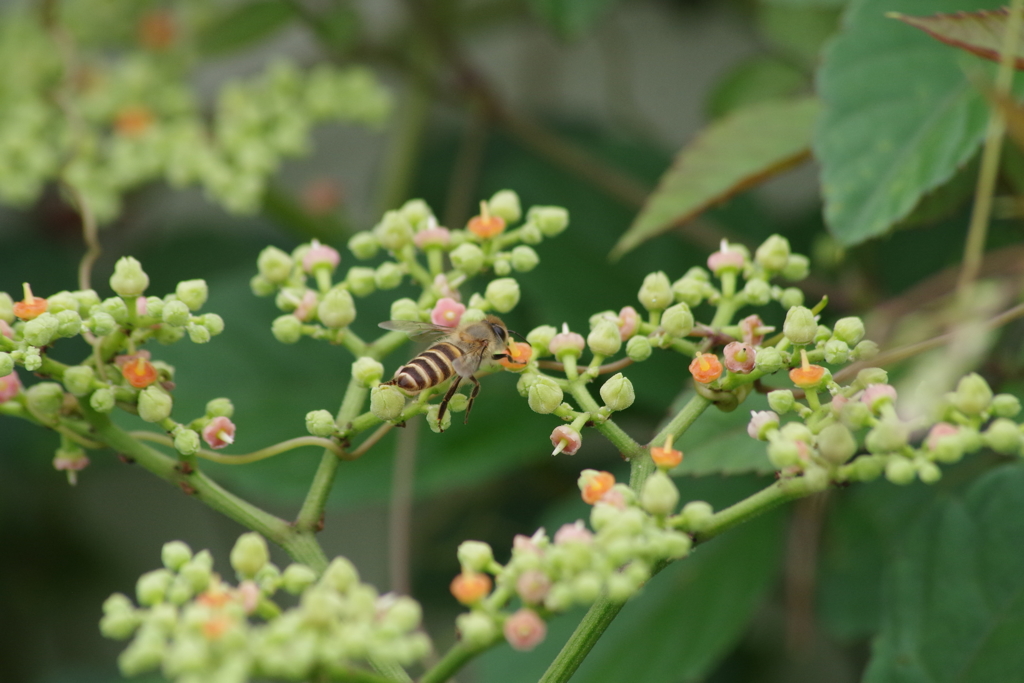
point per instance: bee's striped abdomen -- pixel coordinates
(428, 369)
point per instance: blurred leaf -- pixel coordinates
(243, 25)
(339, 26)
(755, 80)
(718, 442)
(980, 33)
(954, 607)
(943, 201)
(570, 18)
(807, 3)
(900, 119)
(799, 30)
(727, 157)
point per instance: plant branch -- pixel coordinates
(400, 513)
(255, 456)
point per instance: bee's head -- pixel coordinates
(498, 328)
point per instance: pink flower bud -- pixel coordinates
(10, 386)
(576, 532)
(447, 312)
(304, 311)
(75, 463)
(533, 586)
(435, 236)
(448, 289)
(141, 306)
(321, 196)
(219, 432)
(320, 254)
(565, 439)
(739, 357)
(524, 630)
(724, 259)
(249, 593)
(939, 431)
(566, 341)
(614, 497)
(760, 421)
(629, 322)
(876, 394)
(838, 402)
(753, 329)
(529, 544)
(6, 330)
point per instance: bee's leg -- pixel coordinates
(472, 395)
(447, 397)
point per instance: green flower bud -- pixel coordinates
(973, 395)
(886, 436)
(69, 323)
(928, 472)
(128, 279)
(757, 292)
(656, 292)
(297, 578)
(77, 379)
(689, 291)
(551, 220)
(524, 258)
(769, 359)
(475, 556)
(836, 351)
(175, 554)
(367, 371)
(102, 400)
(42, 330)
(186, 441)
(438, 426)
(152, 586)
(797, 268)
(341, 575)
(154, 404)
(286, 329)
(6, 364)
(1003, 436)
(405, 309)
(544, 395)
(199, 570)
(249, 554)
(388, 275)
(617, 393)
(638, 348)
(117, 309)
(101, 323)
(476, 629)
(320, 423)
(677, 320)
(900, 470)
(502, 267)
(869, 376)
(797, 431)
(363, 245)
(119, 624)
(458, 403)
(386, 402)
(822, 335)
(62, 301)
(274, 265)
(604, 339)
(361, 281)
(45, 398)
(337, 309)
(505, 204)
(31, 358)
(6, 307)
(502, 294)
(197, 333)
(529, 233)
(213, 323)
(176, 313)
(539, 338)
(867, 467)
(849, 330)
(836, 444)
(1003, 405)
(790, 297)
(800, 326)
(193, 293)
(659, 495)
(783, 453)
(773, 254)
(696, 515)
(865, 350)
(393, 232)
(468, 258)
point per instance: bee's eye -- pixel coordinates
(499, 331)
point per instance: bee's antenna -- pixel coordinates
(517, 334)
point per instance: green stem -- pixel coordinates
(782, 491)
(626, 445)
(582, 641)
(255, 456)
(687, 415)
(455, 659)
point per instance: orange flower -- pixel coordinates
(214, 627)
(133, 120)
(596, 486)
(215, 596)
(485, 225)
(470, 587)
(519, 354)
(157, 30)
(806, 376)
(706, 368)
(139, 372)
(31, 307)
(666, 457)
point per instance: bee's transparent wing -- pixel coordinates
(424, 332)
(467, 364)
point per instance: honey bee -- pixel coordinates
(459, 355)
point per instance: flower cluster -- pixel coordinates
(629, 536)
(118, 372)
(192, 625)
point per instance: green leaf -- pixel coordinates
(244, 25)
(570, 18)
(727, 157)
(718, 442)
(900, 118)
(980, 33)
(754, 80)
(954, 598)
